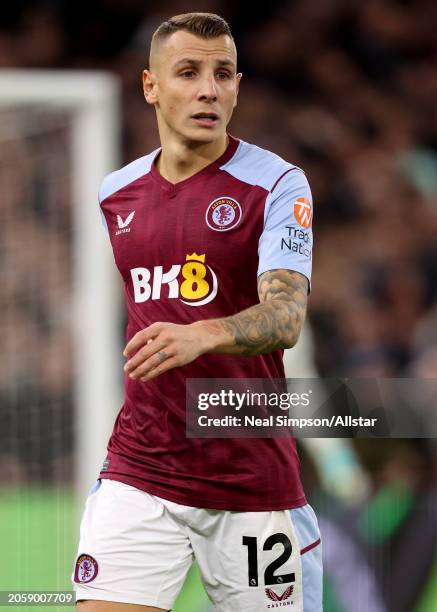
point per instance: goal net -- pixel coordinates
(59, 308)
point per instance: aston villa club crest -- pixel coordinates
(86, 569)
(223, 214)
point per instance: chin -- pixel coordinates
(204, 136)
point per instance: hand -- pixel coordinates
(161, 347)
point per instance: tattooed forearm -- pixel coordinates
(273, 324)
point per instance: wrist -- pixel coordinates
(209, 334)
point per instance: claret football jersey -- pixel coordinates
(191, 251)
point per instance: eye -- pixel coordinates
(223, 75)
(187, 74)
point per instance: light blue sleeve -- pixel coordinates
(120, 178)
(287, 239)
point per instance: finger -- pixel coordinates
(141, 338)
(168, 364)
(144, 353)
(153, 362)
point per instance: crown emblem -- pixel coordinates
(195, 257)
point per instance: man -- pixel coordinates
(196, 228)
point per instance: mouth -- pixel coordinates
(205, 119)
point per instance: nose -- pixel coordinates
(207, 90)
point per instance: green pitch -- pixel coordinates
(39, 528)
(38, 535)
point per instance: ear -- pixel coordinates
(149, 87)
(237, 88)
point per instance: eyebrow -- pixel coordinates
(187, 60)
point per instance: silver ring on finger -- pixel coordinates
(162, 356)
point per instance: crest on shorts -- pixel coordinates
(86, 569)
(223, 214)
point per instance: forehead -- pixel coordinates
(183, 44)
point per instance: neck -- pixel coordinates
(180, 160)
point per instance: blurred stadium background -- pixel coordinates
(345, 89)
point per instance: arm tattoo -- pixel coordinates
(276, 322)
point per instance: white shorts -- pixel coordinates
(137, 548)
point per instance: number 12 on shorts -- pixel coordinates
(269, 574)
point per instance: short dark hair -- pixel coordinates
(205, 25)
